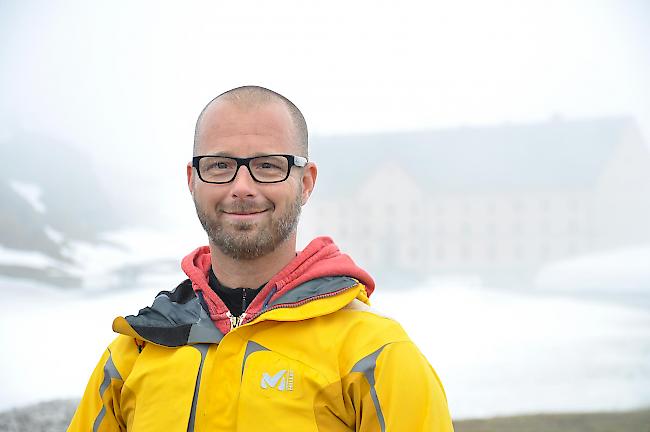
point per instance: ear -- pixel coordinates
(190, 177)
(308, 181)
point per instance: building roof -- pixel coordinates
(543, 156)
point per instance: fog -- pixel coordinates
(487, 163)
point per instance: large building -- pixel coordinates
(492, 201)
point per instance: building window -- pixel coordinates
(519, 252)
(465, 252)
(572, 226)
(544, 205)
(572, 249)
(545, 226)
(491, 252)
(544, 252)
(415, 254)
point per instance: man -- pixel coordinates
(260, 337)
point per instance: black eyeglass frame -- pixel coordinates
(293, 160)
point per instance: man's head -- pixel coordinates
(246, 219)
(252, 96)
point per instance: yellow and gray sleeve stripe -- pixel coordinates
(110, 373)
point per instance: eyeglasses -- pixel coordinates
(273, 168)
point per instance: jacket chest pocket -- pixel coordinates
(160, 389)
(277, 392)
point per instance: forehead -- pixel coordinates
(227, 127)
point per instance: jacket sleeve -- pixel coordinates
(398, 391)
(99, 409)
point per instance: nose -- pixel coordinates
(243, 184)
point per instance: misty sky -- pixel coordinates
(123, 81)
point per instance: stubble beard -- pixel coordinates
(245, 241)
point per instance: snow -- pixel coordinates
(503, 352)
(497, 352)
(25, 258)
(140, 253)
(30, 193)
(554, 346)
(54, 235)
(625, 270)
(52, 339)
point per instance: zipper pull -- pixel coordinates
(235, 321)
(240, 319)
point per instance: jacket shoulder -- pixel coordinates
(362, 330)
(123, 352)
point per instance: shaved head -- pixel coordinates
(251, 97)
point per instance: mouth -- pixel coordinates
(244, 215)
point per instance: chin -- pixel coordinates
(243, 227)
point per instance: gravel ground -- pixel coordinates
(54, 416)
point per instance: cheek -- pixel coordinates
(207, 198)
(284, 197)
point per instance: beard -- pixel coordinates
(249, 240)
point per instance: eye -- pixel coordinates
(215, 164)
(267, 165)
(220, 165)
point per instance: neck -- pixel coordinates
(237, 273)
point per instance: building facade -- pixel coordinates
(494, 202)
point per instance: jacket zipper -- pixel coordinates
(288, 305)
(243, 301)
(235, 321)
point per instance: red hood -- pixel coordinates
(320, 258)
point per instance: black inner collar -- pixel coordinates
(236, 299)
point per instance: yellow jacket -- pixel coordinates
(312, 358)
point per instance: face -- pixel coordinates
(245, 219)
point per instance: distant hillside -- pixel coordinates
(51, 195)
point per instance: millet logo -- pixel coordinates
(281, 381)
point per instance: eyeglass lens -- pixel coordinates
(263, 169)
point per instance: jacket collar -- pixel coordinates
(178, 317)
(320, 259)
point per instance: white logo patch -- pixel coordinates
(281, 381)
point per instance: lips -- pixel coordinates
(243, 212)
(244, 207)
(246, 213)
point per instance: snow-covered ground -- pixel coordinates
(618, 274)
(497, 352)
(579, 339)
(123, 256)
(501, 352)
